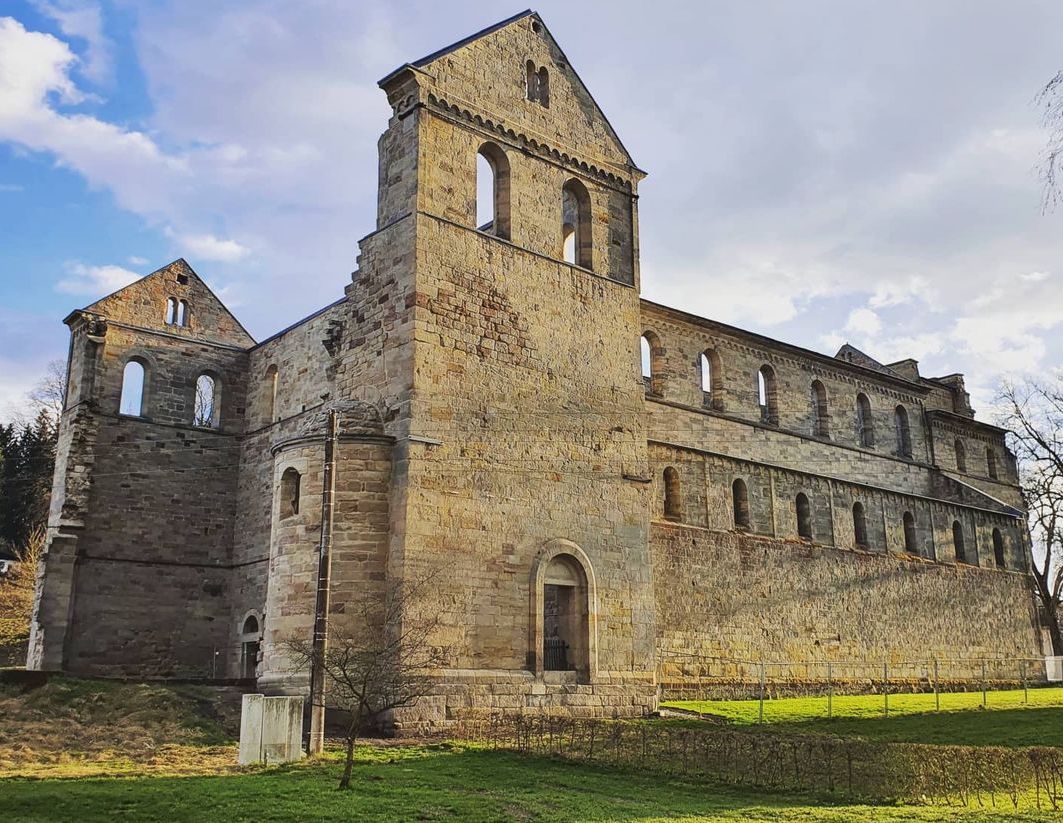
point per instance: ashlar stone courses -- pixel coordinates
(496, 431)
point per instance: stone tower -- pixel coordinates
(594, 533)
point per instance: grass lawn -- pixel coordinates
(438, 783)
(1006, 720)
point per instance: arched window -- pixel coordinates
(673, 501)
(859, 526)
(804, 516)
(865, 426)
(767, 397)
(532, 82)
(991, 462)
(910, 544)
(249, 645)
(544, 87)
(998, 548)
(272, 384)
(961, 456)
(492, 191)
(903, 431)
(289, 493)
(650, 351)
(820, 411)
(710, 379)
(182, 313)
(740, 502)
(957, 542)
(132, 401)
(171, 311)
(576, 224)
(207, 407)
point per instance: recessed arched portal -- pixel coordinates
(563, 613)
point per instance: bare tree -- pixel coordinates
(1034, 413)
(380, 659)
(1050, 99)
(50, 393)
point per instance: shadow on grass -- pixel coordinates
(436, 783)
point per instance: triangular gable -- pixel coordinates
(143, 304)
(485, 72)
(851, 354)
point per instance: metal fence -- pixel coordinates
(942, 684)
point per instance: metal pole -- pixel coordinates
(830, 692)
(214, 663)
(885, 690)
(983, 684)
(761, 716)
(937, 689)
(316, 742)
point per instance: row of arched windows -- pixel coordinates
(493, 207)
(990, 460)
(176, 312)
(673, 510)
(206, 408)
(768, 399)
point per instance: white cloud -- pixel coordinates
(209, 247)
(863, 321)
(84, 21)
(94, 281)
(134, 260)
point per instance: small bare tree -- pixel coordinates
(381, 658)
(16, 597)
(1050, 99)
(1034, 413)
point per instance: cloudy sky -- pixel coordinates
(819, 171)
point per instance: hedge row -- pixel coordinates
(912, 772)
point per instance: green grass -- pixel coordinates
(1006, 720)
(441, 783)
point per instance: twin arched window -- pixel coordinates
(538, 84)
(492, 191)
(133, 381)
(991, 462)
(176, 312)
(206, 409)
(865, 426)
(961, 456)
(576, 242)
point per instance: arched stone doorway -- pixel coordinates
(563, 613)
